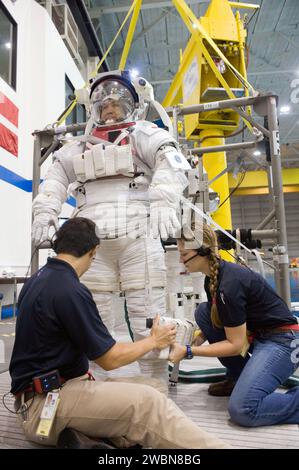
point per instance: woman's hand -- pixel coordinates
(177, 353)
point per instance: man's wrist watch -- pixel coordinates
(189, 354)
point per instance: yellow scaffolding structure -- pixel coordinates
(217, 40)
(212, 67)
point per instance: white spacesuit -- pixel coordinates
(124, 172)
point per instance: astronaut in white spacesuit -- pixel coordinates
(124, 173)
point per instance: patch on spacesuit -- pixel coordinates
(177, 160)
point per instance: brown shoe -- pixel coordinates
(222, 389)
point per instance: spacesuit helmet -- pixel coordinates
(113, 99)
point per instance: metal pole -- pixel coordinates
(265, 234)
(175, 123)
(280, 252)
(50, 150)
(270, 184)
(216, 105)
(225, 148)
(266, 220)
(35, 185)
(174, 376)
(275, 224)
(252, 121)
(61, 130)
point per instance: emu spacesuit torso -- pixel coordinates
(134, 174)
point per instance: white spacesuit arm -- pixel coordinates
(168, 183)
(160, 152)
(169, 180)
(52, 191)
(47, 205)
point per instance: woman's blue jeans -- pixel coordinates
(274, 357)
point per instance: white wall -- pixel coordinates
(42, 62)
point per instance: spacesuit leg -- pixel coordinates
(150, 364)
(143, 278)
(102, 280)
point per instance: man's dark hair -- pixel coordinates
(76, 237)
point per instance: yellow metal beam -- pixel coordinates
(214, 163)
(173, 97)
(135, 15)
(256, 182)
(238, 5)
(263, 191)
(194, 26)
(198, 33)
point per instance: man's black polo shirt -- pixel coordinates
(58, 326)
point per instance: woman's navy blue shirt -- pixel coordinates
(245, 296)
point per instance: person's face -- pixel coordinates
(112, 111)
(196, 264)
(49, 398)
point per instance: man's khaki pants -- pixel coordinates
(136, 412)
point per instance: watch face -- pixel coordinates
(189, 354)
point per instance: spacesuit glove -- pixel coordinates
(40, 227)
(164, 222)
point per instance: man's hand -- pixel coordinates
(121, 354)
(177, 353)
(163, 221)
(40, 227)
(163, 335)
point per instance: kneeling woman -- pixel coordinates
(239, 300)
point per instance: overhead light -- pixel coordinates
(285, 109)
(194, 25)
(257, 153)
(134, 73)
(8, 45)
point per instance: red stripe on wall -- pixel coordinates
(8, 109)
(8, 140)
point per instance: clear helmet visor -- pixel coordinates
(112, 102)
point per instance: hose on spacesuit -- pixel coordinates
(127, 319)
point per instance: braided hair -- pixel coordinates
(209, 248)
(210, 241)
